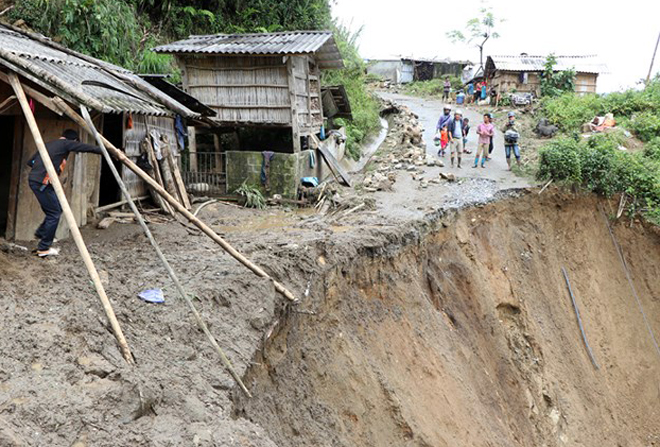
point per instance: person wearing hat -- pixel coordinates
(511, 137)
(455, 133)
(43, 190)
(442, 123)
(444, 118)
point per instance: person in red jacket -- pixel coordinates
(39, 182)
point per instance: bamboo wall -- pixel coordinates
(308, 95)
(255, 90)
(240, 89)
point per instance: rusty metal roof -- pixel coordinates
(320, 43)
(524, 62)
(79, 78)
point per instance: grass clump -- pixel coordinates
(252, 196)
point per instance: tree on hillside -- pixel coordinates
(476, 29)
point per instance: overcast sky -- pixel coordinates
(622, 33)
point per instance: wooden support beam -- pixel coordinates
(68, 214)
(260, 67)
(119, 155)
(194, 86)
(40, 97)
(192, 148)
(295, 126)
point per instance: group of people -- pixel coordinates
(452, 131)
(475, 92)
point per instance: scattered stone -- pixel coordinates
(448, 176)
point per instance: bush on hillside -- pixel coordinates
(645, 125)
(636, 110)
(597, 165)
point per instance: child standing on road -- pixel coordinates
(444, 141)
(511, 137)
(485, 132)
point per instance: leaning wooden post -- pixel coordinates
(68, 214)
(159, 253)
(119, 155)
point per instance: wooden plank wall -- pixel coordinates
(76, 178)
(142, 125)
(250, 90)
(308, 95)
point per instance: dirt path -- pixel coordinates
(407, 200)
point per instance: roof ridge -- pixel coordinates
(583, 56)
(276, 33)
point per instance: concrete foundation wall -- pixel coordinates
(246, 166)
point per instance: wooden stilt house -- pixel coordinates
(124, 107)
(265, 90)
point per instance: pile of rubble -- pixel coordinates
(404, 149)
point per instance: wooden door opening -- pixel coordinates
(6, 163)
(108, 188)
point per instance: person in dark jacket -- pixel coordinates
(39, 182)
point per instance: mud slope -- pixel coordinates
(467, 337)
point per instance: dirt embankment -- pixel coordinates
(453, 330)
(465, 335)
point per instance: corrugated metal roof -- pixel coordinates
(100, 83)
(581, 64)
(321, 43)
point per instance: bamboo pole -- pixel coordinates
(68, 214)
(161, 256)
(655, 51)
(119, 155)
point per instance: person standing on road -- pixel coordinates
(455, 133)
(442, 123)
(491, 146)
(39, 182)
(470, 92)
(485, 132)
(477, 92)
(466, 131)
(446, 89)
(511, 137)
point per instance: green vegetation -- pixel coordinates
(364, 105)
(252, 196)
(434, 87)
(555, 83)
(123, 31)
(596, 163)
(636, 110)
